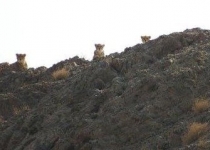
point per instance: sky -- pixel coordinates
(50, 31)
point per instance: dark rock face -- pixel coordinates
(141, 98)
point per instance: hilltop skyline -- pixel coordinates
(51, 31)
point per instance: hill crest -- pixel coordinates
(142, 98)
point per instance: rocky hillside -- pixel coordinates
(152, 96)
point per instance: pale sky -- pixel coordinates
(49, 31)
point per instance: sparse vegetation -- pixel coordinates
(17, 110)
(203, 144)
(60, 74)
(201, 105)
(195, 130)
(142, 98)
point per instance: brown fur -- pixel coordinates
(145, 38)
(99, 52)
(20, 64)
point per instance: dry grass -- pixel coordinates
(195, 130)
(60, 74)
(201, 106)
(17, 110)
(203, 144)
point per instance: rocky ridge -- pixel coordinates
(141, 98)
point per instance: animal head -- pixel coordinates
(21, 58)
(99, 47)
(145, 38)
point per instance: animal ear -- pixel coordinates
(102, 45)
(24, 55)
(149, 37)
(96, 45)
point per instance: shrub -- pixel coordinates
(200, 106)
(60, 74)
(195, 130)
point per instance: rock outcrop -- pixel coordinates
(142, 98)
